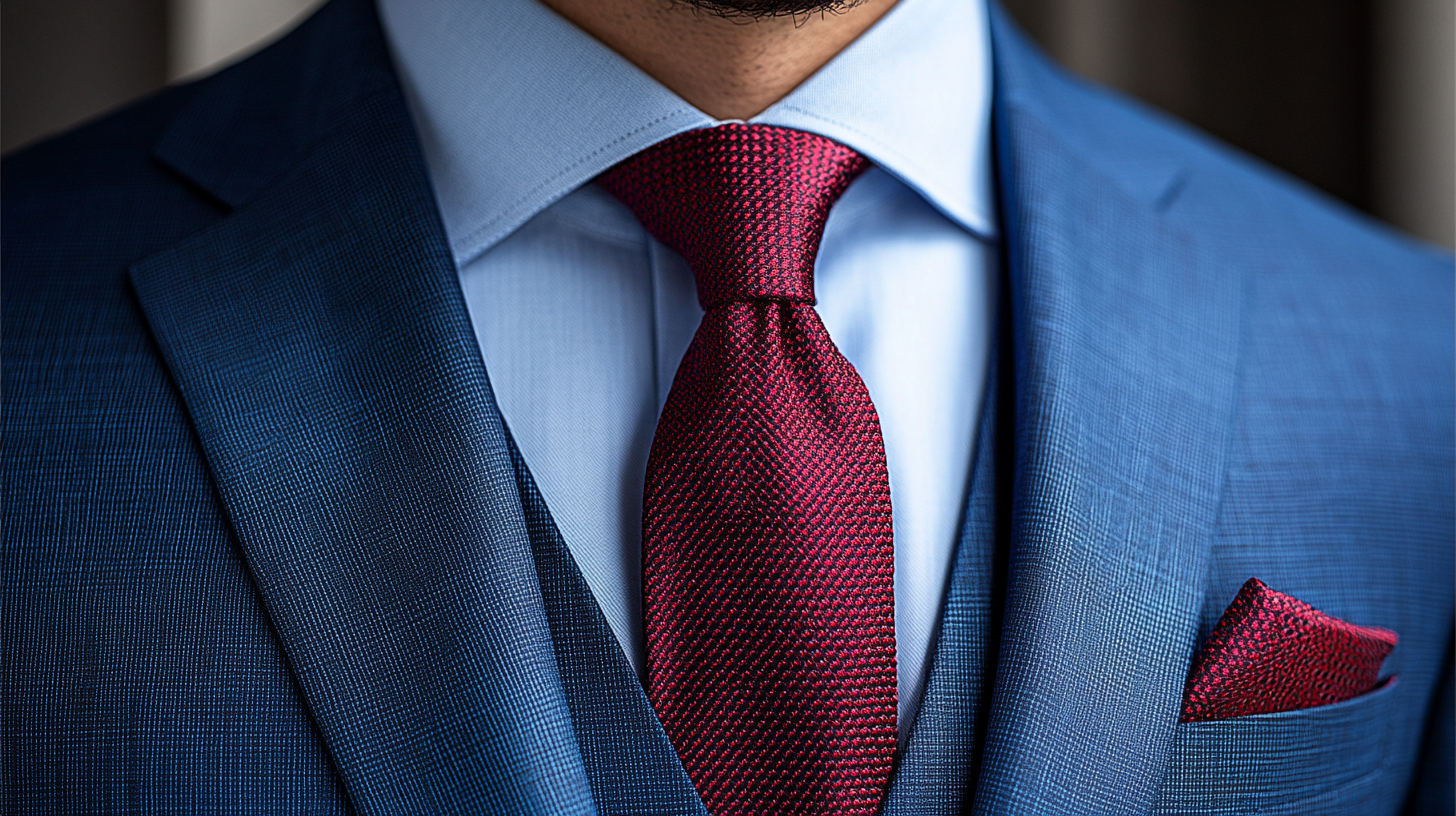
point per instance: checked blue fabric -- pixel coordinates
(267, 548)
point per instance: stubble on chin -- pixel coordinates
(763, 9)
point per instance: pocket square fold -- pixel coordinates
(1271, 652)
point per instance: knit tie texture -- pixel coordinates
(768, 562)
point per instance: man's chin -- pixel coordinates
(758, 9)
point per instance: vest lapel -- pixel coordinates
(936, 772)
(319, 340)
(631, 763)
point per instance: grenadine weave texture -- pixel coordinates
(768, 563)
(1271, 652)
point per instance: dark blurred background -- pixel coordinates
(1353, 96)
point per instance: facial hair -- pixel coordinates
(759, 9)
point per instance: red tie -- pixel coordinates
(768, 564)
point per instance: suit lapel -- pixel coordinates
(1125, 348)
(318, 337)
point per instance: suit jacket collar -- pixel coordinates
(320, 342)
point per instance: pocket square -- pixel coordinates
(1271, 652)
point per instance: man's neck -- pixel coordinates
(729, 68)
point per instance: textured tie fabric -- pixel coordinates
(1271, 652)
(768, 565)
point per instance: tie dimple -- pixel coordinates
(768, 563)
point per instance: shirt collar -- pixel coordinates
(516, 107)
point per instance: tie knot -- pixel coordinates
(745, 205)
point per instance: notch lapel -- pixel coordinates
(320, 342)
(1126, 344)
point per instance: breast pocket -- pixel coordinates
(1327, 760)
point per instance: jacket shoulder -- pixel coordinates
(89, 202)
(1228, 201)
(1338, 306)
(77, 211)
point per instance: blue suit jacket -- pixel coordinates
(268, 546)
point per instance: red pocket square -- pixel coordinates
(1271, 652)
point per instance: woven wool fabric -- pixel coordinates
(265, 552)
(768, 562)
(1271, 652)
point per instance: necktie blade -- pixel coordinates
(767, 541)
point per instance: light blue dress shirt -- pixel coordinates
(582, 317)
